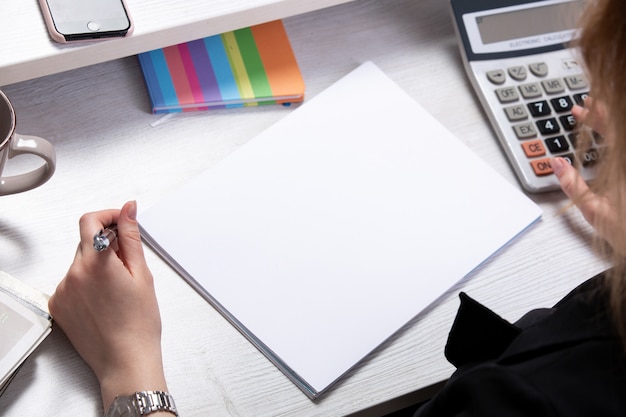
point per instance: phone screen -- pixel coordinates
(89, 18)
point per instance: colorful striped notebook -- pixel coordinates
(246, 67)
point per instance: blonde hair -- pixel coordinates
(602, 45)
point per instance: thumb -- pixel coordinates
(129, 239)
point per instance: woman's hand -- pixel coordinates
(107, 306)
(592, 115)
(597, 210)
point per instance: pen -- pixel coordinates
(104, 238)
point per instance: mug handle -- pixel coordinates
(22, 144)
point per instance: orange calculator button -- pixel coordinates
(541, 166)
(534, 148)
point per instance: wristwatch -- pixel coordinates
(142, 403)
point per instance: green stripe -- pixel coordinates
(237, 66)
(252, 61)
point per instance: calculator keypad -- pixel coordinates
(539, 111)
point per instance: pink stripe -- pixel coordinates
(192, 76)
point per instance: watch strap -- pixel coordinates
(151, 401)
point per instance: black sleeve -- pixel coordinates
(487, 391)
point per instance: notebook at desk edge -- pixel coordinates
(329, 231)
(24, 323)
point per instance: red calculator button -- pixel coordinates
(541, 166)
(534, 148)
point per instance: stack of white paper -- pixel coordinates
(333, 228)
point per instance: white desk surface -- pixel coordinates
(111, 149)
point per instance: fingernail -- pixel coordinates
(132, 210)
(557, 165)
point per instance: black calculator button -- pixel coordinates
(569, 157)
(539, 108)
(575, 140)
(598, 137)
(540, 69)
(548, 126)
(580, 98)
(530, 90)
(562, 104)
(553, 86)
(568, 122)
(590, 157)
(557, 144)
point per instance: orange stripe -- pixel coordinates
(278, 59)
(178, 75)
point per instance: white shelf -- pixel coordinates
(28, 52)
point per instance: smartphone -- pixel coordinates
(81, 20)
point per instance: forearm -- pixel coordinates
(146, 376)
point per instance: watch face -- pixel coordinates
(123, 407)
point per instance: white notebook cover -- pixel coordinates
(24, 324)
(330, 230)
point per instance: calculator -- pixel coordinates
(527, 78)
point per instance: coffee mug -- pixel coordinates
(13, 144)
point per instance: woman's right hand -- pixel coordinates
(597, 210)
(107, 307)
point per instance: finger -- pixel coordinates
(91, 223)
(580, 113)
(591, 114)
(129, 239)
(575, 187)
(570, 180)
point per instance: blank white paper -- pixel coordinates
(330, 230)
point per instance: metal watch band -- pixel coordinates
(151, 401)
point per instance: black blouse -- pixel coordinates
(560, 361)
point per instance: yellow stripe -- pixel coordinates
(238, 67)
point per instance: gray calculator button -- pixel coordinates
(515, 113)
(531, 90)
(507, 94)
(540, 69)
(518, 72)
(525, 130)
(570, 64)
(496, 76)
(553, 86)
(576, 82)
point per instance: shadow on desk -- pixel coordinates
(403, 406)
(405, 412)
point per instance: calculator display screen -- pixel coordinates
(527, 23)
